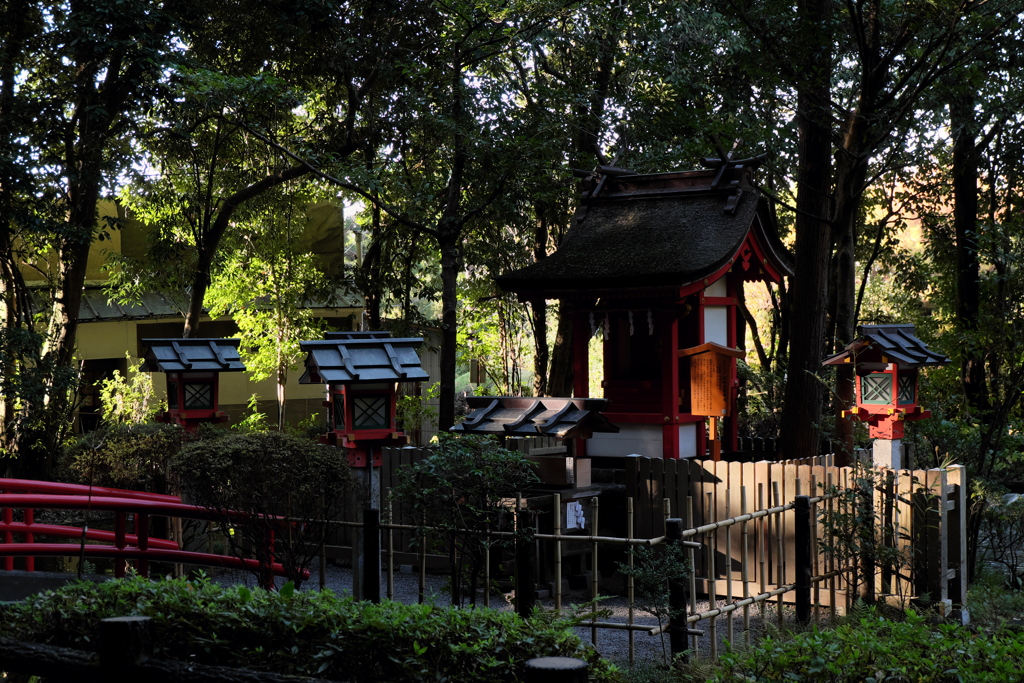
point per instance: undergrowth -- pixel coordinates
(308, 633)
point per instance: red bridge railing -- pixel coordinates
(136, 547)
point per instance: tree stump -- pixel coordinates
(556, 670)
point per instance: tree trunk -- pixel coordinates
(560, 380)
(448, 241)
(813, 238)
(850, 174)
(210, 242)
(539, 308)
(965, 218)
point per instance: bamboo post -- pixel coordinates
(391, 549)
(629, 579)
(423, 559)
(711, 551)
(728, 564)
(371, 551)
(744, 566)
(322, 553)
(693, 566)
(867, 535)
(524, 564)
(762, 549)
(780, 574)
(830, 562)
(802, 539)
(487, 565)
(556, 503)
(593, 571)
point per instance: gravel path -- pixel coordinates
(613, 644)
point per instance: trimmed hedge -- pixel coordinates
(309, 633)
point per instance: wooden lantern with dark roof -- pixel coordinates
(886, 359)
(192, 368)
(655, 263)
(362, 371)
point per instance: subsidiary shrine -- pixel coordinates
(653, 263)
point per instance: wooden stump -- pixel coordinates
(556, 670)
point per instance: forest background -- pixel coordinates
(893, 130)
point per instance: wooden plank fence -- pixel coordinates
(920, 515)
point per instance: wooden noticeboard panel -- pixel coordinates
(710, 378)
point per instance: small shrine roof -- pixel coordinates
(360, 357)
(191, 355)
(897, 343)
(562, 418)
(667, 229)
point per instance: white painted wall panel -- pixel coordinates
(717, 288)
(716, 325)
(688, 440)
(640, 439)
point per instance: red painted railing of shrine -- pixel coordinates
(136, 547)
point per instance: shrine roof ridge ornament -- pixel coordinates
(350, 357)
(562, 418)
(191, 355)
(895, 343)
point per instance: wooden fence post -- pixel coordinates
(802, 540)
(678, 594)
(525, 561)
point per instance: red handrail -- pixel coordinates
(31, 495)
(60, 488)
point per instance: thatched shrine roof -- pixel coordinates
(668, 229)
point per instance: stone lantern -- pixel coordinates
(193, 368)
(886, 359)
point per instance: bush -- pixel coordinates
(463, 490)
(871, 648)
(267, 475)
(126, 456)
(307, 633)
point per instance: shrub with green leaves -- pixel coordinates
(266, 476)
(462, 490)
(874, 649)
(126, 456)
(307, 633)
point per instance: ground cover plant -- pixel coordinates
(869, 647)
(304, 632)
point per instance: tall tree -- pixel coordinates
(88, 70)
